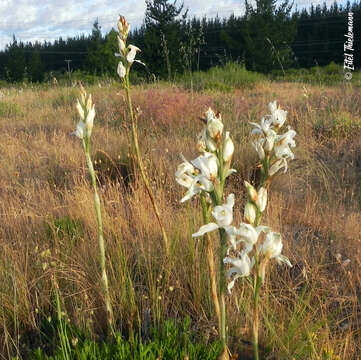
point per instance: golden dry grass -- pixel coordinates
(309, 312)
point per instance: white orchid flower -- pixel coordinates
(132, 53)
(186, 176)
(240, 266)
(223, 215)
(121, 70)
(199, 184)
(278, 116)
(272, 248)
(80, 130)
(228, 148)
(264, 128)
(287, 138)
(207, 163)
(249, 234)
(185, 173)
(205, 143)
(283, 151)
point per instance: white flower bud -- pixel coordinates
(250, 213)
(228, 148)
(214, 124)
(121, 44)
(90, 119)
(80, 109)
(121, 70)
(261, 201)
(252, 192)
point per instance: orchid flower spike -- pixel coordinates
(86, 111)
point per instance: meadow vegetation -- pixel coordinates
(51, 291)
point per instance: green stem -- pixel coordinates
(223, 285)
(223, 249)
(140, 161)
(210, 261)
(256, 287)
(86, 145)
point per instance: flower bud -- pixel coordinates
(252, 192)
(261, 201)
(121, 44)
(121, 70)
(269, 143)
(123, 27)
(258, 145)
(250, 213)
(228, 148)
(214, 124)
(90, 119)
(80, 109)
(212, 165)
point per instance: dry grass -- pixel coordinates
(48, 224)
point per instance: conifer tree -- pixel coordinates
(268, 34)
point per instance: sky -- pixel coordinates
(41, 20)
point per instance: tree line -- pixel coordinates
(269, 36)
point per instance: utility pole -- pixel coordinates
(68, 62)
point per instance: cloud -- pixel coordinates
(32, 20)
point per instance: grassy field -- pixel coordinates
(48, 241)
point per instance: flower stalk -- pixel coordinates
(206, 176)
(210, 262)
(86, 110)
(259, 244)
(127, 55)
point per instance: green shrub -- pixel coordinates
(331, 74)
(221, 78)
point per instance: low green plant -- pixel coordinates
(221, 78)
(65, 228)
(64, 99)
(9, 110)
(170, 342)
